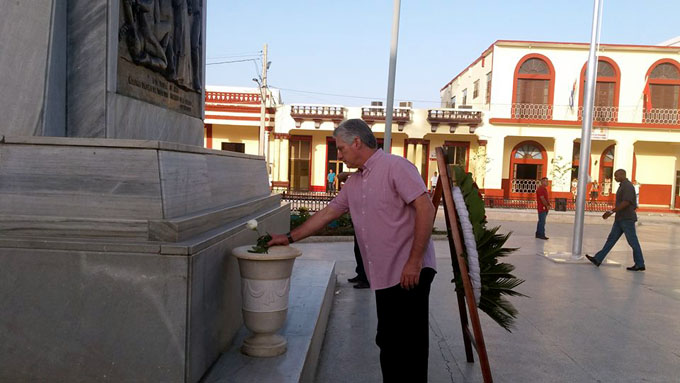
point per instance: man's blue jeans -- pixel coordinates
(627, 227)
(540, 226)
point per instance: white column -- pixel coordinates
(283, 159)
(411, 152)
(418, 158)
(276, 159)
(558, 170)
(494, 168)
(623, 157)
(478, 164)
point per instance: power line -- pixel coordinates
(349, 96)
(230, 62)
(243, 54)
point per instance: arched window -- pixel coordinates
(533, 88)
(606, 90)
(662, 93)
(527, 167)
(528, 151)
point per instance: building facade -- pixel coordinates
(512, 116)
(531, 95)
(300, 145)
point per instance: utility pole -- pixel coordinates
(589, 101)
(389, 108)
(263, 107)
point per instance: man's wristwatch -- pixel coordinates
(290, 238)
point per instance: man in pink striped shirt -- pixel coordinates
(392, 216)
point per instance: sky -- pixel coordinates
(337, 52)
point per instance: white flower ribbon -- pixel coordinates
(470, 242)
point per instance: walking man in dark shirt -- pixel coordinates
(624, 223)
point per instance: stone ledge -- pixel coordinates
(311, 298)
(184, 248)
(182, 228)
(121, 143)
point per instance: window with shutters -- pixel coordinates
(234, 147)
(464, 97)
(534, 84)
(606, 103)
(662, 93)
(475, 90)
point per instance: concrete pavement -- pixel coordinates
(581, 324)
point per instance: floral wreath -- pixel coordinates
(491, 279)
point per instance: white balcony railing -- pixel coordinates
(232, 97)
(602, 113)
(317, 111)
(519, 185)
(532, 111)
(662, 116)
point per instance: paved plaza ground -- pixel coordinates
(580, 324)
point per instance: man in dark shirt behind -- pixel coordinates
(624, 223)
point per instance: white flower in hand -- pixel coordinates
(252, 224)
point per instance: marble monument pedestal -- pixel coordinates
(116, 256)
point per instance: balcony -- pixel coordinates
(454, 117)
(320, 112)
(532, 111)
(372, 114)
(661, 116)
(317, 113)
(232, 98)
(602, 113)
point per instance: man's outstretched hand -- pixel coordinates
(278, 239)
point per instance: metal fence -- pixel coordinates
(315, 201)
(504, 203)
(312, 201)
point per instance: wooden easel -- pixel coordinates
(460, 270)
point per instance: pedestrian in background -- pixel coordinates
(624, 223)
(543, 206)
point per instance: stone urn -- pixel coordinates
(265, 284)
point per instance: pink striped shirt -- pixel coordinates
(378, 198)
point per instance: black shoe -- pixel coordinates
(593, 260)
(354, 280)
(362, 285)
(636, 268)
(543, 237)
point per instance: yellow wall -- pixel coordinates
(240, 134)
(655, 163)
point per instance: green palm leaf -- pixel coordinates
(496, 277)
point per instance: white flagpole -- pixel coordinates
(589, 98)
(389, 108)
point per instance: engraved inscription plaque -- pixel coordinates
(160, 49)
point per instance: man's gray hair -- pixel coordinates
(355, 127)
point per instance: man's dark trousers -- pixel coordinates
(620, 227)
(403, 330)
(361, 272)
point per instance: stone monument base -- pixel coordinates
(116, 257)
